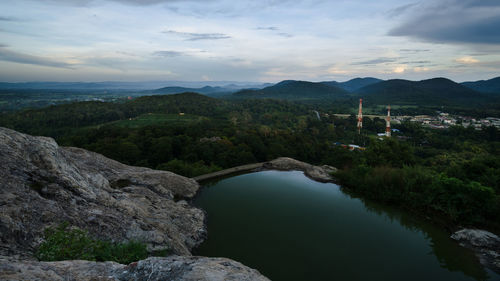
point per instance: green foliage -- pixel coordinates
(65, 243)
(188, 169)
(454, 172)
(422, 189)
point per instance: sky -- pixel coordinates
(259, 41)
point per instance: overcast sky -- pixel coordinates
(267, 41)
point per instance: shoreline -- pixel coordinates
(225, 172)
(317, 173)
(486, 253)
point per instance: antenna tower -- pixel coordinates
(388, 122)
(360, 116)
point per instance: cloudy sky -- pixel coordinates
(267, 41)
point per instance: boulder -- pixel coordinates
(318, 173)
(484, 243)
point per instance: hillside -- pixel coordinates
(353, 84)
(491, 86)
(207, 90)
(295, 90)
(436, 91)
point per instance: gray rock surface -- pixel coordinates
(154, 268)
(318, 173)
(484, 243)
(43, 184)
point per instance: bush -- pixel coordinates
(422, 189)
(65, 243)
(188, 169)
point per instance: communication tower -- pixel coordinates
(360, 116)
(388, 122)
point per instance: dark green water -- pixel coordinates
(292, 228)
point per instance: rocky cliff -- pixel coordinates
(43, 185)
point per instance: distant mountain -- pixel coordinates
(177, 90)
(132, 86)
(436, 91)
(207, 90)
(485, 86)
(353, 84)
(295, 90)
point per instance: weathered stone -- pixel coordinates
(43, 184)
(484, 243)
(188, 268)
(154, 268)
(317, 173)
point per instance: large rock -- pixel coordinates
(318, 173)
(43, 184)
(484, 243)
(170, 268)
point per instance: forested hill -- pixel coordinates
(295, 90)
(207, 90)
(353, 84)
(430, 92)
(491, 86)
(59, 119)
(436, 91)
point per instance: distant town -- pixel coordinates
(443, 120)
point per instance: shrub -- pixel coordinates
(65, 243)
(422, 189)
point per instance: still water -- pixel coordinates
(292, 228)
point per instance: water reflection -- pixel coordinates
(445, 249)
(292, 228)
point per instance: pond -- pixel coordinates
(290, 227)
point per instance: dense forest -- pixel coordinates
(453, 174)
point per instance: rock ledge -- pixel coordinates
(317, 173)
(484, 243)
(179, 268)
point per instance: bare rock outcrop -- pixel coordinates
(318, 173)
(43, 184)
(179, 268)
(484, 243)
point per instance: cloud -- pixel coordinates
(399, 69)
(126, 2)
(414, 50)
(7, 19)
(198, 36)
(401, 9)
(467, 60)
(275, 29)
(375, 61)
(284, 34)
(7, 55)
(168, 54)
(416, 62)
(453, 21)
(420, 69)
(271, 28)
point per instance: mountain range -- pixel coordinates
(131, 86)
(435, 91)
(491, 86)
(295, 90)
